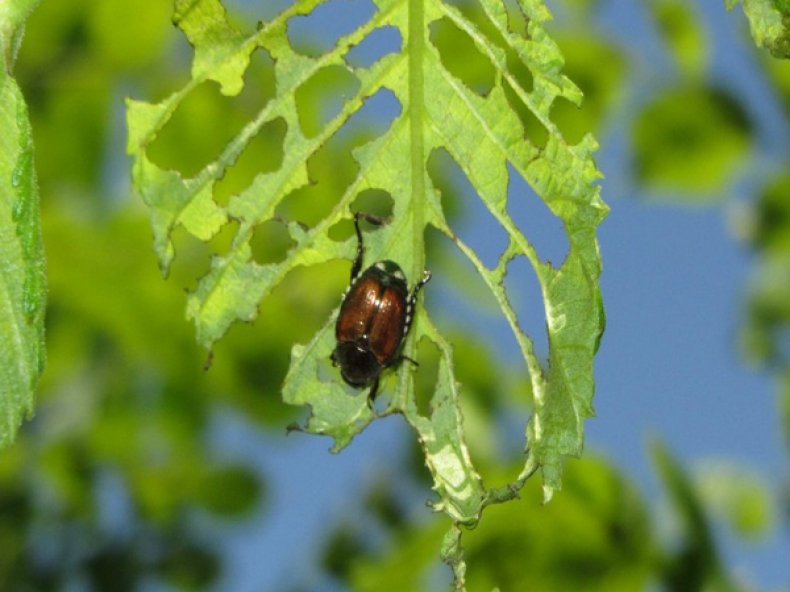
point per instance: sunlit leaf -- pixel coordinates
(476, 125)
(22, 279)
(13, 14)
(770, 24)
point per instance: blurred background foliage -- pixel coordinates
(119, 483)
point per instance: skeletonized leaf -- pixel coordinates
(769, 21)
(481, 132)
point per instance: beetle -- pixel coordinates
(375, 316)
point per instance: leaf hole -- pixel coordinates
(374, 118)
(543, 229)
(199, 130)
(471, 220)
(426, 375)
(526, 298)
(267, 10)
(341, 231)
(270, 242)
(240, 15)
(316, 33)
(570, 119)
(260, 83)
(517, 20)
(461, 58)
(534, 131)
(332, 168)
(320, 99)
(244, 12)
(370, 201)
(476, 370)
(464, 298)
(262, 154)
(473, 11)
(305, 298)
(374, 201)
(192, 260)
(221, 242)
(378, 43)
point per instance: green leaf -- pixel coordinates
(230, 491)
(697, 565)
(681, 30)
(768, 229)
(766, 226)
(13, 14)
(22, 279)
(480, 131)
(769, 21)
(596, 536)
(691, 139)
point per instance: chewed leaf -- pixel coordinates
(557, 428)
(769, 21)
(221, 53)
(334, 412)
(442, 440)
(438, 111)
(22, 278)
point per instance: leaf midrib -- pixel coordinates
(416, 54)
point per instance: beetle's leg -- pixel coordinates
(410, 304)
(375, 220)
(360, 249)
(374, 390)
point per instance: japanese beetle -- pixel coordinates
(374, 319)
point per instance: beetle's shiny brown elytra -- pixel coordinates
(374, 319)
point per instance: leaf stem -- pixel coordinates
(453, 555)
(498, 495)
